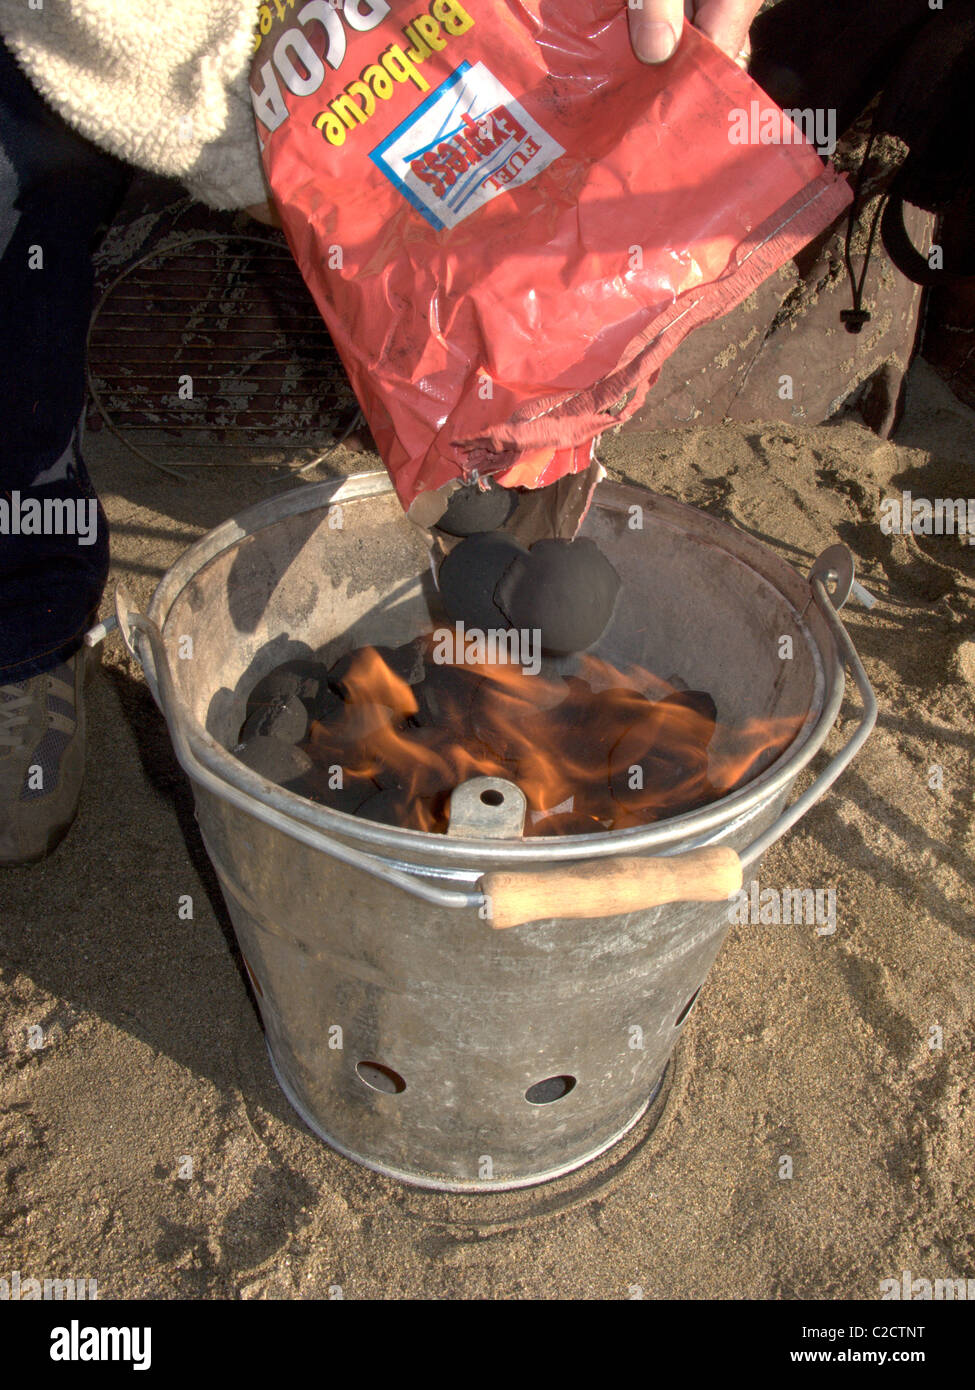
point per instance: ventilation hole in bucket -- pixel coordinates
(380, 1078)
(552, 1088)
(492, 797)
(686, 1009)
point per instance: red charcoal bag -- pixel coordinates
(508, 222)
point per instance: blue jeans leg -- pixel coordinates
(57, 195)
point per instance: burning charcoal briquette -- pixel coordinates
(305, 680)
(564, 589)
(285, 720)
(575, 717)
(277, 761)
(410, 660)
(702, 705)
(499, 741)
(351, 727)
(384, 807)
(470, 510)
(406, 662)
(348, 798)
(675, 730)
(339, 670)
(470, 575)
(670, 747)
(446, 696)
(659, 777)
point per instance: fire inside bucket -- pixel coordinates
(394, 732)
(452, 1035)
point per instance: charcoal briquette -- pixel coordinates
(348, 798)
(308, 680)
(471, 510)
(417, 813)
(446, 695)
(286, 720)
(384, 807)
(701, 703)
(406, 662)
(409, 661)
(471, 573)
(564, 589)
(276, 760)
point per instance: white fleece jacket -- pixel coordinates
(162, 85)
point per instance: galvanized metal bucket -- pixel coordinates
(405, 1031)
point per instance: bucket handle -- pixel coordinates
(509, 898)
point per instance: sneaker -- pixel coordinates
(42, 760)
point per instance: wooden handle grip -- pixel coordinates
(607, 888)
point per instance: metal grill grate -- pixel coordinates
(211, 342)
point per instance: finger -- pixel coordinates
(726, 23)
(655, 28)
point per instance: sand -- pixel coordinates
(146, 1144)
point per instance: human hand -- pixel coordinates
(655, 26)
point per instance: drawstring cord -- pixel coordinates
(856, 317)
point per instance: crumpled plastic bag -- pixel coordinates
(508, 222)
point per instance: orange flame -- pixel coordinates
(599, 749)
